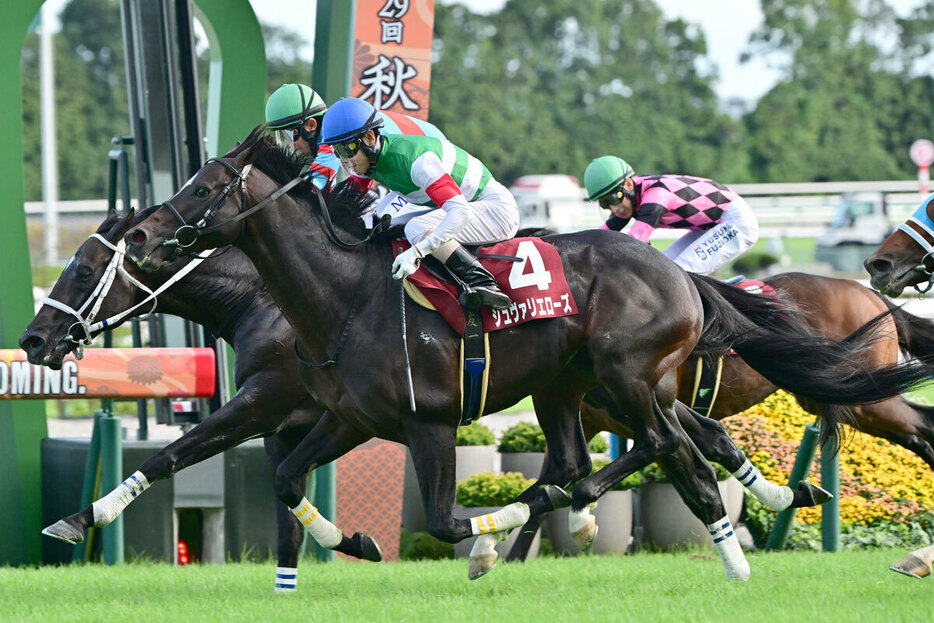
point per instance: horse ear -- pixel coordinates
(250, 149)
(127, 222)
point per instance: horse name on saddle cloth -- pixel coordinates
(535, 283)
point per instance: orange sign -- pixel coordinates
(392, 54)
(112, 373)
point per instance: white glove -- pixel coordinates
(406, 262)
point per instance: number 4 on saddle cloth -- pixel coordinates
(528, 270)
(707, 373)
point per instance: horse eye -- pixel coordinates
(202, 192)
(84, 272)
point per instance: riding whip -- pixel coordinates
(405, 347)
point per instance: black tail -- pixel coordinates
(774, 339)
(915, 334)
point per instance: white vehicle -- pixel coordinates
(861, 219)
(554, 201)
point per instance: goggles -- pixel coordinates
(348, 149)
(612, 198)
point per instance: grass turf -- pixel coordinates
(848, 586)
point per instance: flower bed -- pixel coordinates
(886, 491)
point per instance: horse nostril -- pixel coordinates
(137, 236)
(878, 266)
(31, 342)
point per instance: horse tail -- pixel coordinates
(775, 340)
(915, 334)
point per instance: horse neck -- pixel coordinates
(312, 280)
(210, 293)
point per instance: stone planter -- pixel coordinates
(666, 521)
(529, 464)
(614, 519)
(470, 460)
(462, 548)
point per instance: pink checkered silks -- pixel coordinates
(684, 202)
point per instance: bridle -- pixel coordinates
(916, 227)
(85, 323)
(187, 234)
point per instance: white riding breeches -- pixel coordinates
(494, 217)
(705, 251)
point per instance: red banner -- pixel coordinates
(392, 54)
(112, 373)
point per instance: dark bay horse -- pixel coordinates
(833, 308)
(641, 317)
(228, 298)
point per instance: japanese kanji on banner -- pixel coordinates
(392, 54)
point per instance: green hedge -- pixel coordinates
(489, 489)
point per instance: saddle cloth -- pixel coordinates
(536, 284)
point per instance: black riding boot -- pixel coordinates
(465, 267)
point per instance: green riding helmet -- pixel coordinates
(605, 173)
(292, 104)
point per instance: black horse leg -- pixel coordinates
(235, 422)
(330, 439)
(718, 447)
(290, 532)
(566, 460)
(689, 472)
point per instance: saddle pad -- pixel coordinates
(536, 284)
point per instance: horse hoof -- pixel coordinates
(557, 497)
(808, 494)
(481, 565)
(584, 537)
(64, 531)
(369, 548)
(737, 573)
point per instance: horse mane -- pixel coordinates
(345, 203)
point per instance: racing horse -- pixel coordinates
(833, 308)
(228, 298)
(641, 317)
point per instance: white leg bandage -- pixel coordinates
(323, 531)
(735, 566)
(774, 496)
(286, 579)
(111, 505)
(506, 518)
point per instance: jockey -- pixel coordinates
(452, 197)
(722, 225)
(296, 111)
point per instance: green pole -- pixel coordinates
(803, 462)
(830, 511)
(111, 477)
(91, 486)
(22, 422)
(325, 482)
(332, 74)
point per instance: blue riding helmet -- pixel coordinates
(344, 125)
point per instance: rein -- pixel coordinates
(96, 299)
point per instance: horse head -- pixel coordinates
(88, 288)
(905, 259)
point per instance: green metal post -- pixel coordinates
(332, 74)
(830, 511)
(325, 483)
(91, 487)
(803, 462)
(111, 477)
(22, 422)
(237, 79)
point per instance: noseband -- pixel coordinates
(928, 248)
